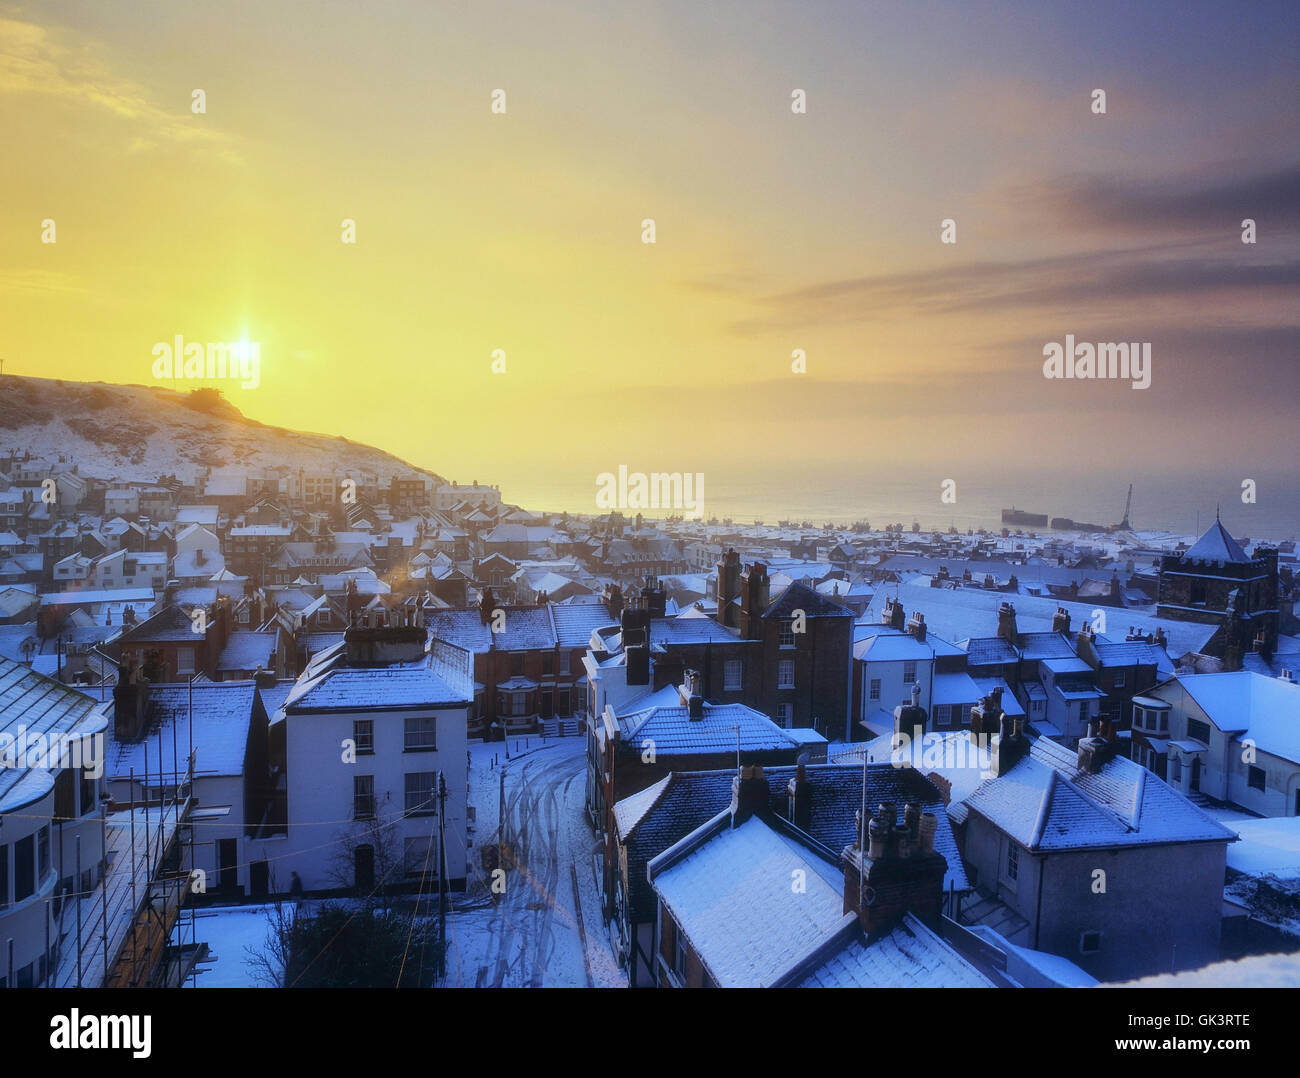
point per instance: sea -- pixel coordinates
(1178, 504)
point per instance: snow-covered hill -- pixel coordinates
(133, 432)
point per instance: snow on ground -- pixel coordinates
(228, 931)
(546, 930)
(1269, 846)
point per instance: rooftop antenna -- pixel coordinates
(736, 727)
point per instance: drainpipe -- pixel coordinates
(1038, 912)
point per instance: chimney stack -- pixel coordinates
(1061, 620)
(910, 716)
(892, 614)
(916, 625)
(895, 871)
(728, 587)
(689, 693)
(750, 793)
(1009, 746)
(1007, 624)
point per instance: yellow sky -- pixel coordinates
(522, 231)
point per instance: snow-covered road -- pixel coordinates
(546, 929)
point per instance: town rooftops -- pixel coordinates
(1045, 802)
(653, 819)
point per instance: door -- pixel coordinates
(1297, 802)
(227, 864)
(363, 868)
(258, 879)
(1196, 774)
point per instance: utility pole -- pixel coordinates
(501, 821)
(442, 875)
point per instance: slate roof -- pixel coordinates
(1215, 547)
(43, 706)
(172, 624)
(674, 732)
(988, 650)
(910, 955)
(527, 628)
(1046, 803)
(223, 712)
(733, 900)
(328, 684)
(575, 624)
(655, 818)
(798, 596)
(247, 651)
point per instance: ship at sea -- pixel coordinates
(1068, 525)
(1019, 516)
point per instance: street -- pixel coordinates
(545, 929)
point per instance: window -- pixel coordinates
(875, 688)
(1164, 722)
(564, 662)
(1089, 942)
(679, 953)
(363, 736)
(909, 671)
(1255, 778)
(24, 868)
(184, 660)
(43, 851)
(941, 714)
(421, 735)
(785, 674)
(784, 715)
(544, 706)
(419, 857)
(4, 875)
(548, 663)
(562, 705)
(87, 792)
(1119, 679)
(516, 663)
(420, 799)
(786, 639)
(1198, 731)
(518, 703)
(1198, 593)
(1013, 861)
(363, 797)
(732, 675)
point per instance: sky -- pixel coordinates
(775, 230)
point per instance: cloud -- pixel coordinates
(1122, 277)
(1182, 205)
(54, 64)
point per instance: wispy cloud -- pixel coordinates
(55, 64)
